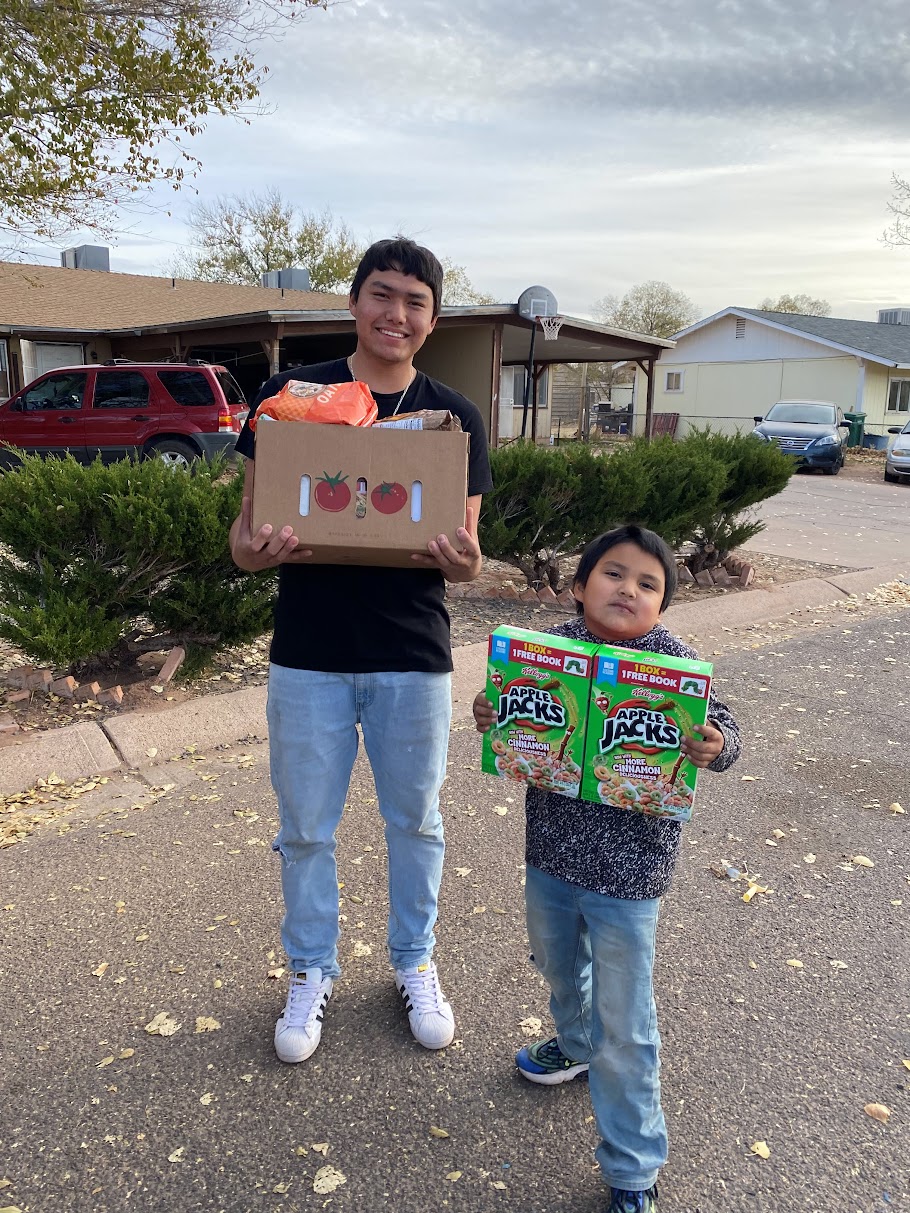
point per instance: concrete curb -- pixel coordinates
(123, 742)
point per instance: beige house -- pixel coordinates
(54, 316)
(734, 365)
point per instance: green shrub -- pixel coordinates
(93, 559)
(549, 502)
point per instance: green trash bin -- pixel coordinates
(857, 428)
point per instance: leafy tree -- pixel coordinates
(802, 305)
(239, 238)
(457, 289)
(96, 99)
(652, 307)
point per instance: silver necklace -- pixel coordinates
(350, 362)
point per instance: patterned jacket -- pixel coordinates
(615, 851)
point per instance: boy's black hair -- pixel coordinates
(647, 540)
(406, 257)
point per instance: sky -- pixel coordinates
(736, 149)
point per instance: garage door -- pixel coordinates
(49, 355)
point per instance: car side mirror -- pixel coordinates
(895, 429)
(16, 406)
(757, 420)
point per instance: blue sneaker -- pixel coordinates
(546, 1063)
(633, 1202)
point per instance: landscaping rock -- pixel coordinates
(720, 576)
(567, 599)
(39, 680)
(528, 595)
(88, 690)
(546, 597)
(112, 696)
(705, 579)
(172, 664)
(64, 686)
(746, 576)
(7, 724)
(17, 696)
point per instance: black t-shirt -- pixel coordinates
(355, 619)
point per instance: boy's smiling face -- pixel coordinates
(623, 595)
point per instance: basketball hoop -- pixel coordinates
(551, 326)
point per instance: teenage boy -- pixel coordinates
(369, 646)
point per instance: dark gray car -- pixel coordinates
(814, 431)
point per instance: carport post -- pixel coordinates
(272, 351)
(647, 365)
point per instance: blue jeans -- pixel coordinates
(597, 955)
(313, 742)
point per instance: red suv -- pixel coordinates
(175, 411)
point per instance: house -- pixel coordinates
(54, 316)
(733, 365)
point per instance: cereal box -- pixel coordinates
(642, 705)
(540, 686)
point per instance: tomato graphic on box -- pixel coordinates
(332, 493)
(388, 497)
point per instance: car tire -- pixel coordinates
(173, 452)
(891, 477)
(833, 469)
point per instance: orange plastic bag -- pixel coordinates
(327, 404)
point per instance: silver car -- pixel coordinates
(897, 461)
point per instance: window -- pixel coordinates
(121, 390)
(230, 387)
(4, 372)
(899, 396)
(673, 381)
(740, 327)
(188, 387)
(56, 392)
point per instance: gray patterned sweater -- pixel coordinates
(615, 851)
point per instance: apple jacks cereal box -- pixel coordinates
(642, 705)
(540, 686)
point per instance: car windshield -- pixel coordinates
(802, 414)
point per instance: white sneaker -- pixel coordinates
(299, 1025)
(430, 1016)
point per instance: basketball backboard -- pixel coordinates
(536, 301)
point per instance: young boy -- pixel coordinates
(595, 876)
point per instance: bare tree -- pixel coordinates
(898, 234)
(238, 238)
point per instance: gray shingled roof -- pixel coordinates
(890, 342)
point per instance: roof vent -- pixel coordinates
(894, 315)
(740, 327)
(290, 280)
(86, 257)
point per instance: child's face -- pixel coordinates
(622, 596)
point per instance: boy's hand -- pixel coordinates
(484, 712)
(701, 751)
(456, 564)
(267, 548)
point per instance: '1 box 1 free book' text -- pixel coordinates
(595, 721)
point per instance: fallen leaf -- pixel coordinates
(281, 1188)
(327, 1179)
(162, 1025)
(321, 1147)
(205, 1023)
(434, 1132)
(837, 964)
(177, 1156)
(795, 964)
(152, 751)
(362, 949)
(125, 1053)
(274, 974)
(6, 1183)
(207, 1098)
(453, 1176)
(463, 871)
(300, 1151)
(778, 834)
(500, 809)
(906, 1062)
(878, 1112)
(895, 808)
(101, 970)
(810, 858)
(105, 1061)
(761, 1148)
(862, 861)
(531, 1026)
(499, 1185)
(748, 778)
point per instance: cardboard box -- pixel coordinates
(360, 495)
(641, 706)
(540, 686)
(594, 721)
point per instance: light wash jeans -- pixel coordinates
(313, 742)
(597, 955)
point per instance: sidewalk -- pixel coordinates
(142, 740)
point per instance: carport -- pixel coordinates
(468, 350)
